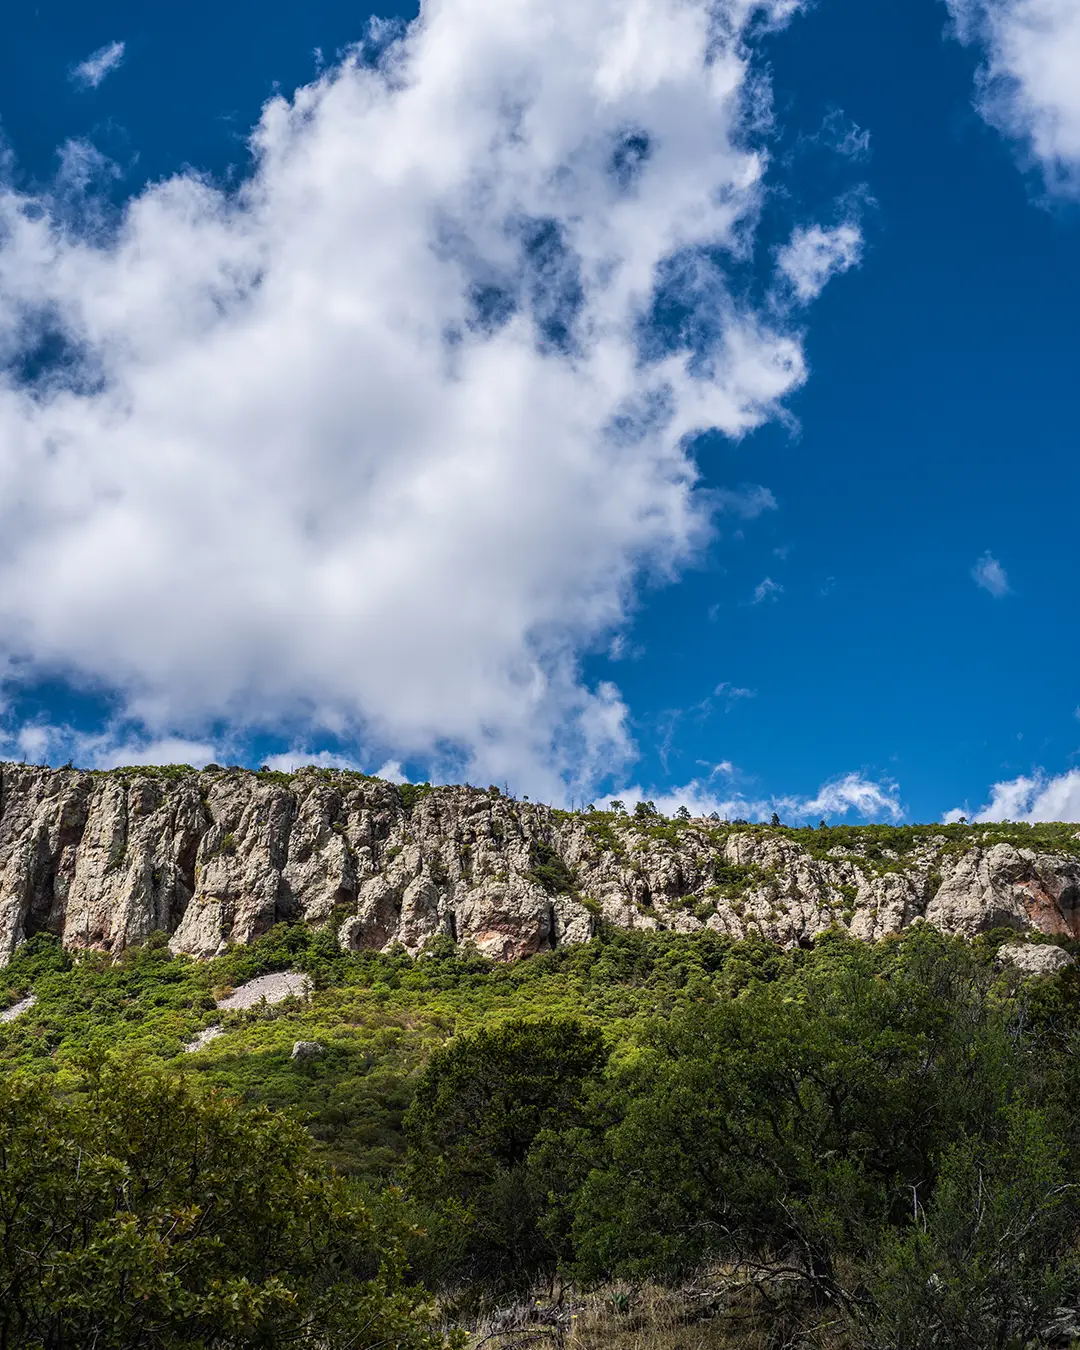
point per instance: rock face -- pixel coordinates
(1034, 959)
(218, 856)
(17, 1009)
(203, 1039)
(267, 989)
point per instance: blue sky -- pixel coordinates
(435, 439)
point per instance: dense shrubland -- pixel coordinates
(870, 1147)
(138, 1211)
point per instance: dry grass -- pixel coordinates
(716, 1312)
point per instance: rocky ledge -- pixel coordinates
(218, 856)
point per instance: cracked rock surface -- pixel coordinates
(218, 856)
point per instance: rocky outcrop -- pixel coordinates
(216, 857)
(1034, 958)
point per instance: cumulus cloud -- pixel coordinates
(1035, 798)
(89, 74)
(1028, 85)
(376, 445)
(289, 760)
(767, 590)
(813, 255)
(990, 575)
(41, 742)
(850, 794)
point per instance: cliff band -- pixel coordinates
(218, 856)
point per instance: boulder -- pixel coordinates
(1034, 958)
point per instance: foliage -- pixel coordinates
(887, 1133)
(138, 1212)
(38, 958)
(548, 870)
(410, 793)
(481, 1104)
(995, 1256)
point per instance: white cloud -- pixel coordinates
(369, 448)
(37, 742)
(850, 794)
(767, 590)
(167, 750)
(88, 74)
(813, 255)
(1034, 798)
(290, 760)
(747, 502)
(392, 772)
(34, 743)
(732, 693)
(1029, 86)
(42, 742)
(846, 137)
(990, 575)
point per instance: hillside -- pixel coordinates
(103, 860)
(648, 1139)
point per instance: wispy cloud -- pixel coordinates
(732, 693)
(289, 760)
(89, 74)
(990, 575)
(851, 794)
(844, 136)
(1035, 797)
(767, 590)
(748, 502)
(814, 255)
(1028, 86)
(46, 743)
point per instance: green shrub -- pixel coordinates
(141, 1213)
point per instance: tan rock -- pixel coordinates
(1034, 959)
(212, 858)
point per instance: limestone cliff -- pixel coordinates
(219, 856)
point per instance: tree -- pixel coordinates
(617, 808)
(480, 1105)
(682, 813)
(775, 822)
(993, 1260)
(138, 1212)
(783, 1127)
